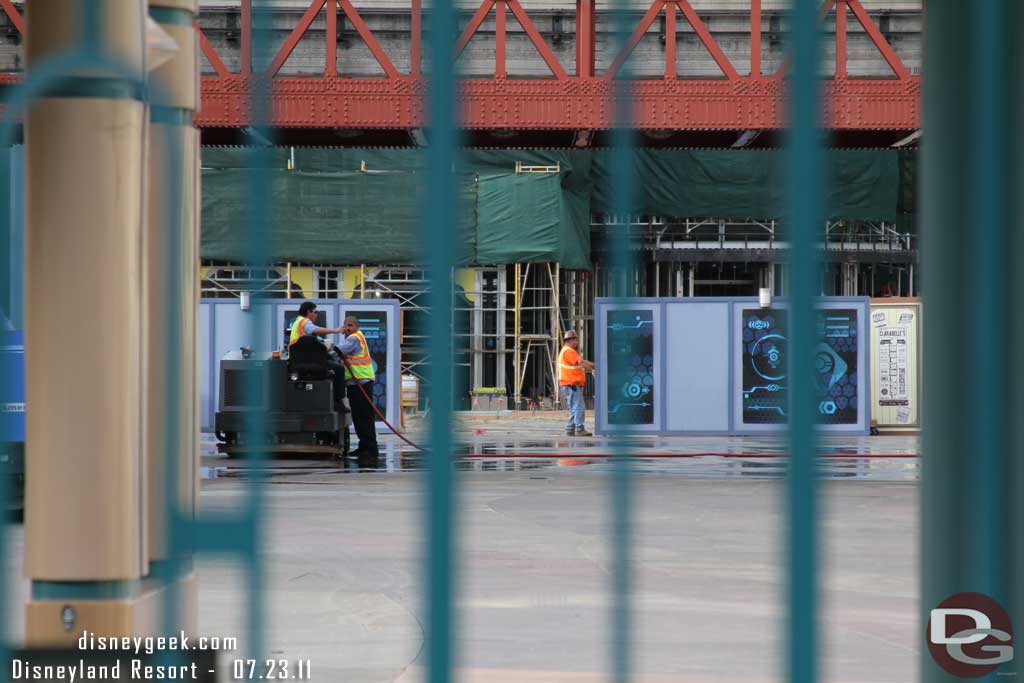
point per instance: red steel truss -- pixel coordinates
(564, 101)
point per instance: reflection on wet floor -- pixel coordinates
(877, 458)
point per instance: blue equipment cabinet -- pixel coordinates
(12, 416)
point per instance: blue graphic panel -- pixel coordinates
(765, 359)
(835, 365)
(630, 385)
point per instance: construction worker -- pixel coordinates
(359, 373)
(304, 324)
(571, 380)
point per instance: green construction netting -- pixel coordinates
(864, 184)
(350, 206)
(327, 217)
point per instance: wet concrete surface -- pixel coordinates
(537, 443)
(343, 548)
(533, 572)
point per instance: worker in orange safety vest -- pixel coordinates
(571, 380)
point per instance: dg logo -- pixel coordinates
(970, 635)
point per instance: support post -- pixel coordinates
(556, 328)
(585, 23)
(170, 309)
(331, 63)
(416, 39)
(840, 39)
(670, 41)
(499, 40)
(755, 38)
(84, 166)
(245, 43)
(517, 360)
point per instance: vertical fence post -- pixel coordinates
(988, 168)
(438, 234)
(973, 444)
(804, 193)
(255, 22)
(621, 261)
(1015, 453)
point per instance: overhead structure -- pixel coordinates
(573, 96)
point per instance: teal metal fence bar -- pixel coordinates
(439, 246)
(260, 191)
(1015, 362)
(990, 261)
(805, 209)
(622, 258)
(972, 515)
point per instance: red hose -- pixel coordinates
(377, 410)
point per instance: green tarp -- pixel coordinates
(350, 206)
(864, 184)
(329, 217)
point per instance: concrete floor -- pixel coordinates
(343, 563)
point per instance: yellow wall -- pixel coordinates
(349, 282)
(466, 278)
(303, 277)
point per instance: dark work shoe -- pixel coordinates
(583, 432)
(570, 432)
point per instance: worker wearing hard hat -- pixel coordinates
(360, 376)
(571, 380)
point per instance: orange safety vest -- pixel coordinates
(297, 329)
(570, 375)
(359, 366)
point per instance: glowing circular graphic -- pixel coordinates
(632, 390)
(768, 356)
(824, 363)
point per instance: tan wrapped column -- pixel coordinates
(170, 254)
(84, 150)
(174, 101)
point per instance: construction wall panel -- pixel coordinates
(697, 361)
(718, 365)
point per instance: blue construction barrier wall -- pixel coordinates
(719, 365)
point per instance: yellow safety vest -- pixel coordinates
(359, 366)
(297, 330)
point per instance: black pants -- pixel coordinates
(338, 381)
(363, 418)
